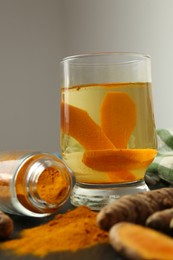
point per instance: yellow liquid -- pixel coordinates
(90, 99)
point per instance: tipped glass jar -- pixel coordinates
(33, 183)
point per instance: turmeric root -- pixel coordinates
(161, 220)
(137, 242)
(6, 225)
(135, 208)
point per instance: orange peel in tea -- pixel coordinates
(118, 159)
(118, 117)
(83, 128)
(106, 145)
(121, 176)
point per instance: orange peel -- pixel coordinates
(77, 123)
(118, 117)
(118, 159)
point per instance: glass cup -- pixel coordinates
(108, 135)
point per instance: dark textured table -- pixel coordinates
(98, 252)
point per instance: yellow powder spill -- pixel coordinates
(73, 230)
(51, 186)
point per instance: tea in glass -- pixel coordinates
(108, 136)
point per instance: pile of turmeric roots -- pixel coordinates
(136, 224)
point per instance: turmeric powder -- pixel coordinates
(73, 230)
(52, 186)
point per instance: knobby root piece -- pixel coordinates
(77, 123)
(6, 225)
(118, 117)
(161, 220)
(119, 159)
(135, 208)
(137, 242)
(171, 225)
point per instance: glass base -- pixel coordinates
(97, 196)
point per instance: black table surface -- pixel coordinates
(98, 252)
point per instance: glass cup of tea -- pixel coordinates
(108, 135)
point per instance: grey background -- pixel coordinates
(36, 34)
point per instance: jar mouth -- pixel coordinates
(48, 186)
(24, 185)
(112, 58)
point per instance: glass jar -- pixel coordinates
(33, 183)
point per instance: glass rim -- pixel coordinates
(78, 58)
